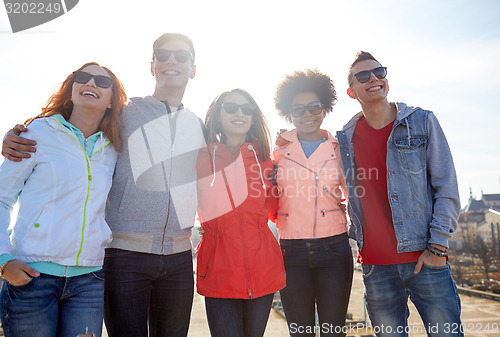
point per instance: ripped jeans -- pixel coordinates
(52, 306)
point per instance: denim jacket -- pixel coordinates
(421, 180)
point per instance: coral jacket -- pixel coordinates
(310, 189)
(238, 256)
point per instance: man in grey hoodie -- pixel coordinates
(403, 204)
(152, 203)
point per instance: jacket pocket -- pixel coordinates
(411, 153)
(333, 216)
(35, 238)
(204, 258)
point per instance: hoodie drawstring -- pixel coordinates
(250, 147)
(213, 166)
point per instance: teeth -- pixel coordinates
(170, 72)
(89, 93)
(375, 88)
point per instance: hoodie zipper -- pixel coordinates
(169, 196)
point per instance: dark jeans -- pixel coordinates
(141, 287)
(318, 272)
(228, 317)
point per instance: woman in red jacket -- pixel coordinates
(239, 262)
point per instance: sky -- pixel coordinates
(441, 55)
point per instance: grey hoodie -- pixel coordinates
(152, 203)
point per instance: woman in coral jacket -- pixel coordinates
(239, 263)
(311, 219)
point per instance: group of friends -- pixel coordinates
(108, 190)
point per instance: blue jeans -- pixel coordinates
(318, 273)
(142, 287)
(433, 291)
(50, 306)
(229, 317)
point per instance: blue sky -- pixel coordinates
(441, 55)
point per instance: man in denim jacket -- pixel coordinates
(403, 204)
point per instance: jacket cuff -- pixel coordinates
(6, 258)
(439, 238)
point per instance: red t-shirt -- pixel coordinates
(370, 149)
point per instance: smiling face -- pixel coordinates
(308, 126)
(373, 91)
(235, 126)
(172, 74)
(89, 95)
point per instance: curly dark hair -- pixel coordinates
(310, 80)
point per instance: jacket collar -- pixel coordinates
(403, 112)
(291, 137)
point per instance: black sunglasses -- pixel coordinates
(181, 56)
(314, 108)
(364, 76)
(247, 109)
(84, 77)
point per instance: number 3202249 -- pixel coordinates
(33, 8)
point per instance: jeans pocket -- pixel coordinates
(340, 247)
(21, 287)
(443, 267)
(98, 275)
(368, 270)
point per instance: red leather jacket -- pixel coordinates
(238, 256)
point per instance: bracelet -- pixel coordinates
(3, 267)
(438, 252)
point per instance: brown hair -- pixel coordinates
(310, 80)
(360, 56)
(258, 133)
(60, 103)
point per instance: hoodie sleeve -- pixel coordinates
(443, 179)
